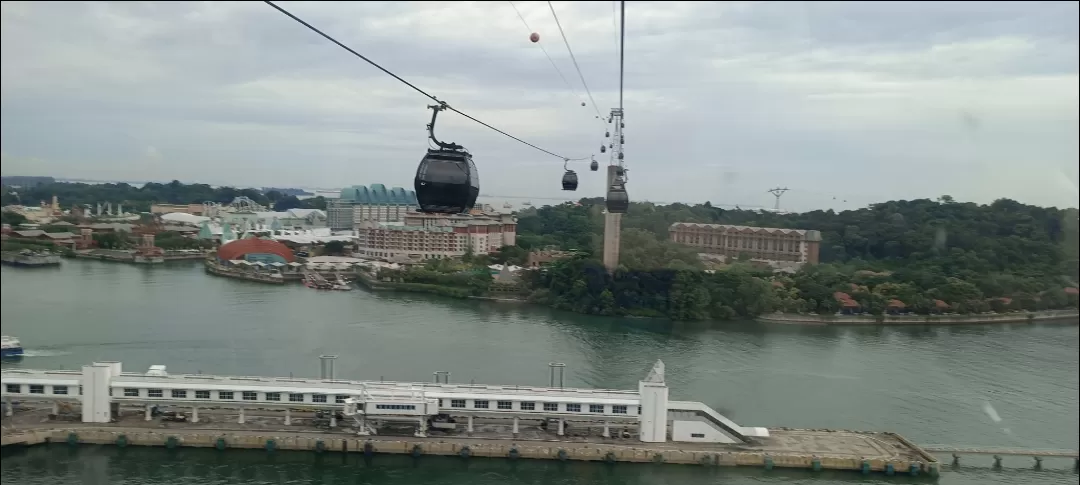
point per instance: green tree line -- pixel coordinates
(1000, 256)
(140, 198)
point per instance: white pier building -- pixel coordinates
(102, 387)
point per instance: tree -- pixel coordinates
(336, 248)
(12, 218)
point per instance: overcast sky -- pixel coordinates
(862, 102)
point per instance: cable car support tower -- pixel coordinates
(617, 200)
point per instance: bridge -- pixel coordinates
(1002, 451)
(998, 453)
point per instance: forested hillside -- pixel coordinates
(1001, 256)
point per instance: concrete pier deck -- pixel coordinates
(786, 448)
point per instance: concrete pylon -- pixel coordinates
(612, 229)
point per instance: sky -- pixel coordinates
(846, 104)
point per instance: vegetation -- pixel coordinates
(169, 240)
(973, 258)
(455, 278)
(140, 198)
(12, 218)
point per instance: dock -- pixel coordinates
(806, 449)
(104, 405)
(28, 259)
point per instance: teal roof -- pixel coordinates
(379, 195)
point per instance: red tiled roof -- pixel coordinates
(237, 249)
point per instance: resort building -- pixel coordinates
(358, 204)
(432, 236)
(767, 244)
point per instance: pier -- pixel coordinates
(102, 404)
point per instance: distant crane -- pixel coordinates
(777, 192)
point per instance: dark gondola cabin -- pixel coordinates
(569, 180)
(595, 166)
(617, 200)
(447, 182)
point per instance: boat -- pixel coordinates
(507, 205)
(10, 347)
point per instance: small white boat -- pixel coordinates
(10, 347)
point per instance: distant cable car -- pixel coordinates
(446, 180)
(595, 166)
(583, 103)
(534, 37)
(569, 178)
(603, 149)
(622, 139)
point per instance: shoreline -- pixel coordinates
(888, 320)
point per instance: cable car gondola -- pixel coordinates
(595, 166)
(603, 149)
(617, 201)
(446, 180)
(569, 178)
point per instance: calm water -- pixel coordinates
(928, 383)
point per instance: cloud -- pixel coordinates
(859, 101)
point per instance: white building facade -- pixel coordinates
(100, 387)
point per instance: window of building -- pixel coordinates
(697, 435)
(480, 404)
(551, 406)
(528, 406)
(37, 389)
(505, 405)
(179, 393)
(225, 395)
(14, 388)
(340, 399)
(202, 394)
(457, 403)
(403, 407)
(318, 398)
(273, 396)
(155, 393)
(296, 398)
(596, 408)
(131, 392)
(573, 408)
(618, 409)
(59, 389)
(249, 396)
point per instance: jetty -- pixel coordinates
(29, 259)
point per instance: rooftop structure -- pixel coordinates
(293, 219)
(255, 250)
